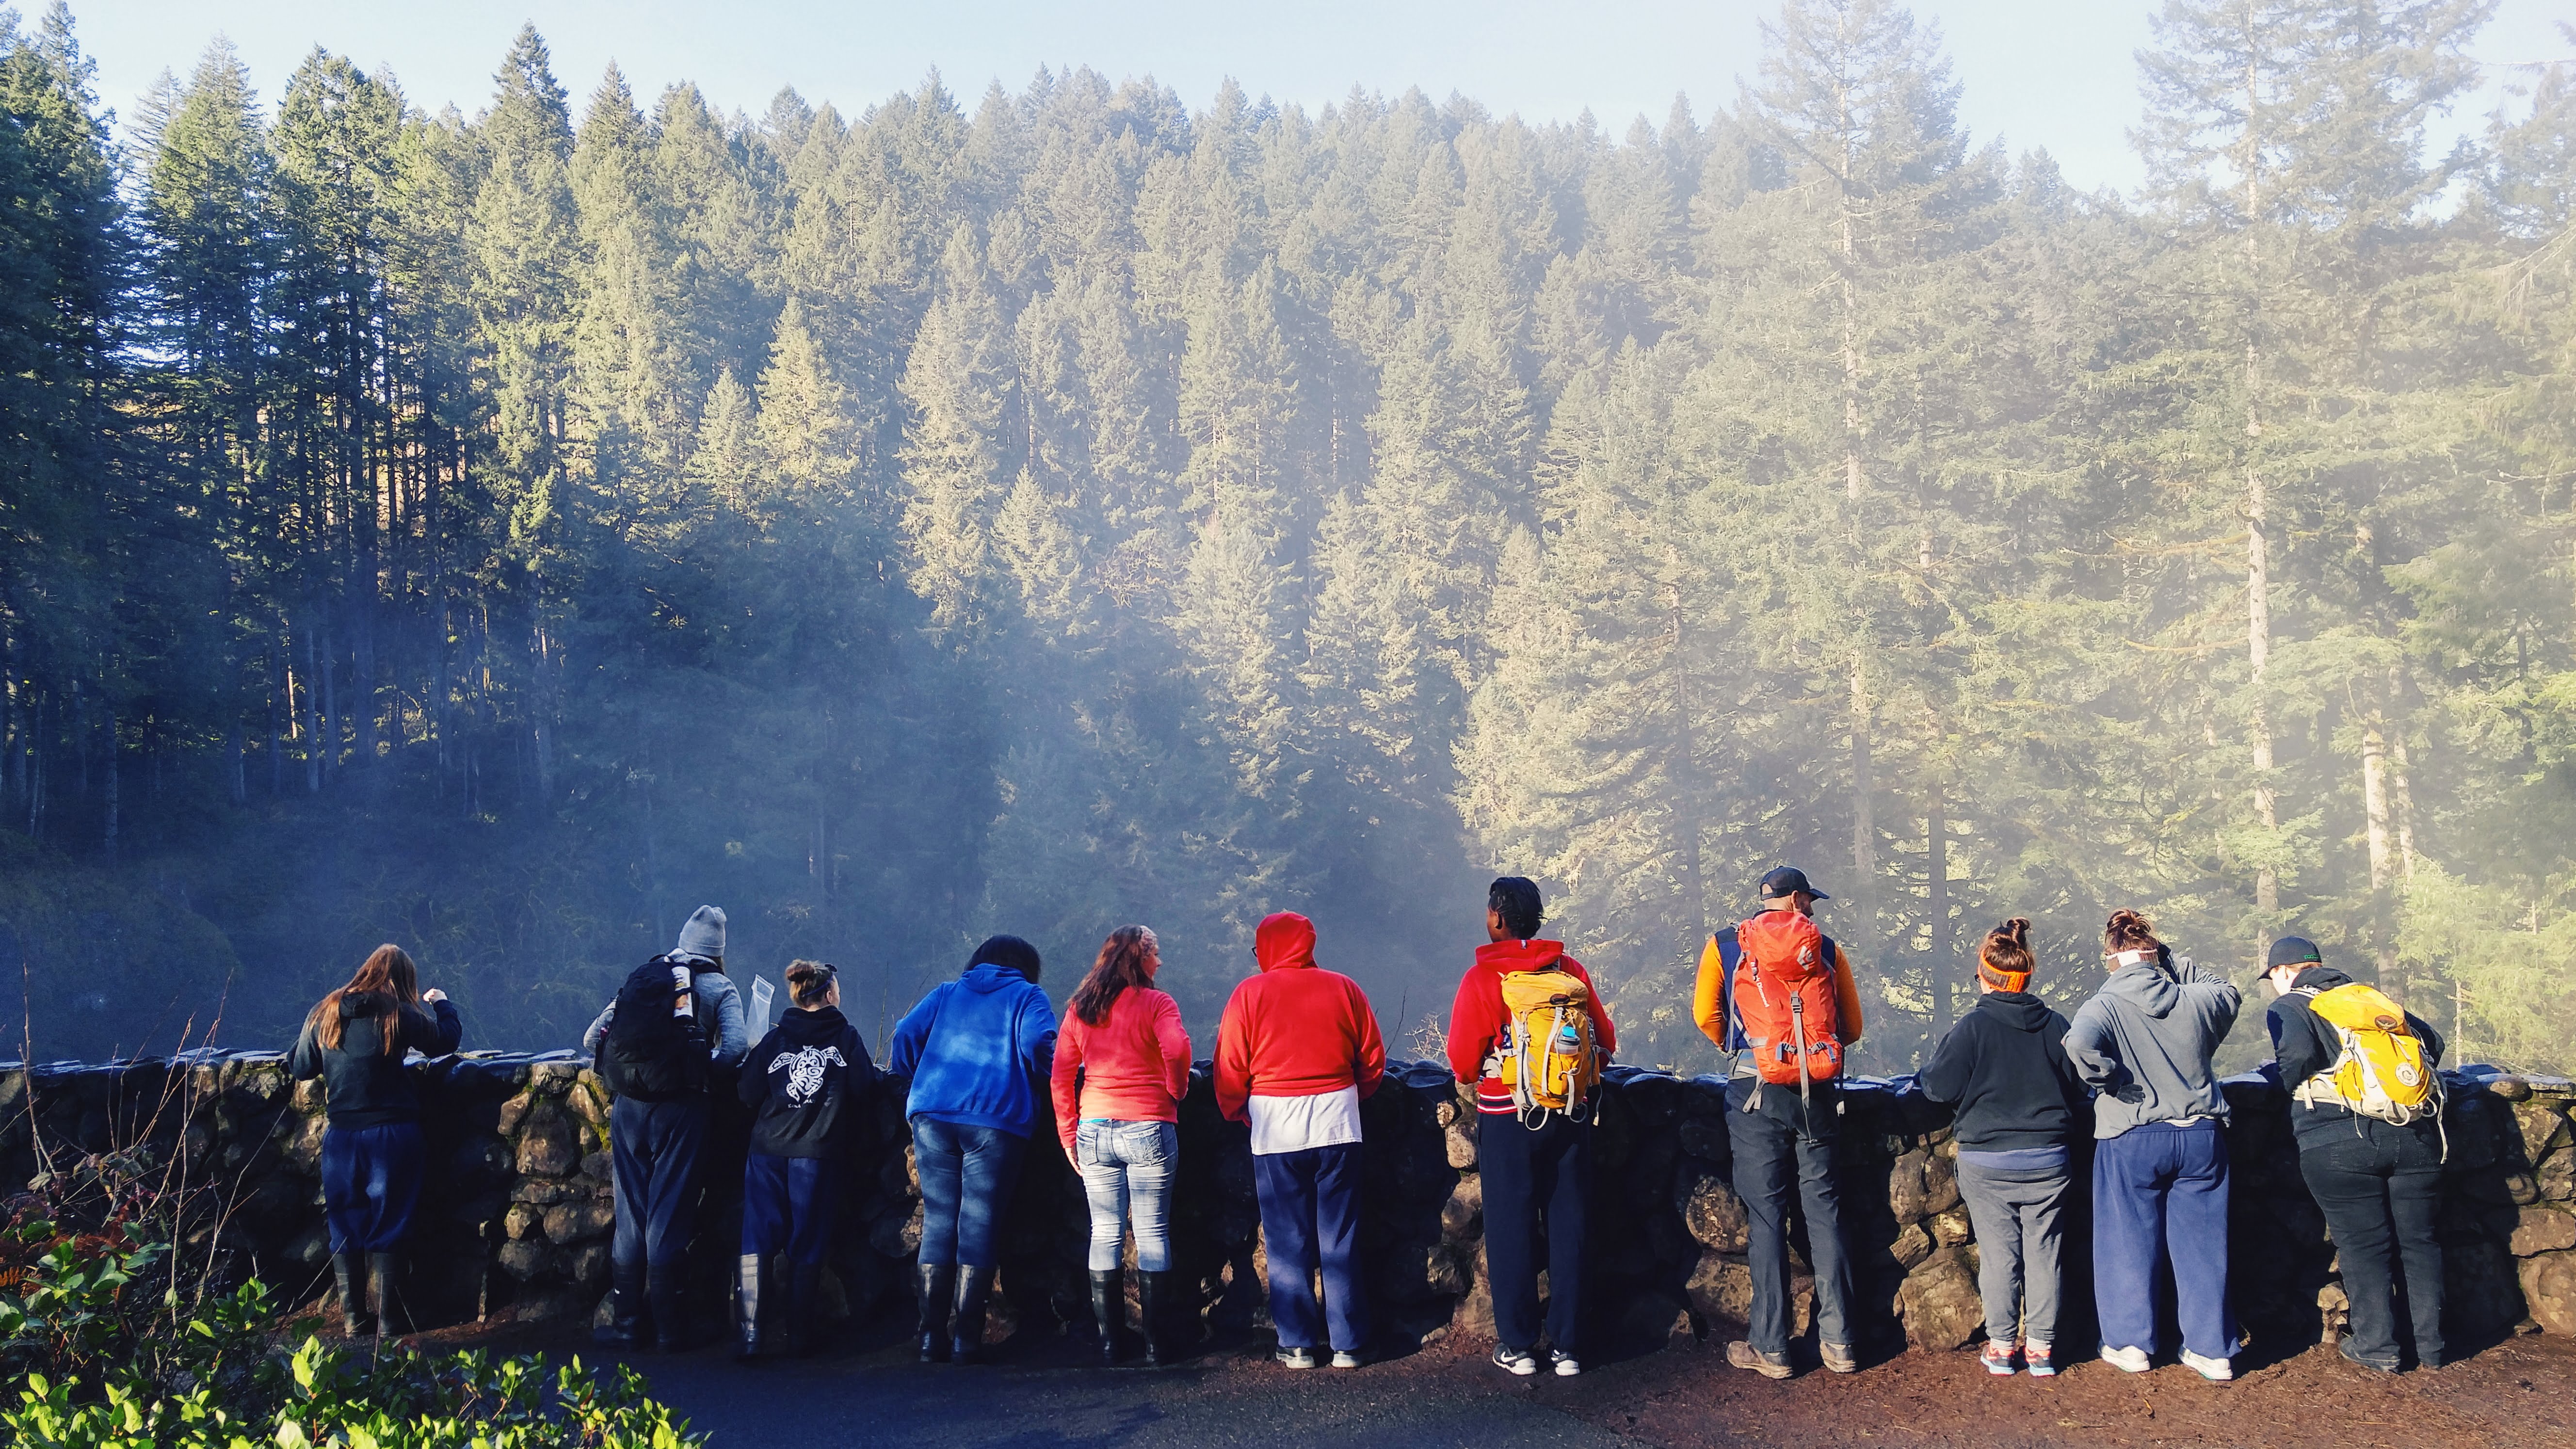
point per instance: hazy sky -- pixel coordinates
(2053, 73)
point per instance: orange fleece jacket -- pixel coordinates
(1710, 1011)
(1133, 1067)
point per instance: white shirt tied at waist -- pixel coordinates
(1294, 1124)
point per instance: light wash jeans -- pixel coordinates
(1123, 1162)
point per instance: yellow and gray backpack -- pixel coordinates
(1551, 1061)
(2382, 1071)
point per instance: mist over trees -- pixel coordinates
(500, 533)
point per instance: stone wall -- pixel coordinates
(517, 1215)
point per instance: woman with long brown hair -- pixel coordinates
(373, 1158)
(1122, 1066)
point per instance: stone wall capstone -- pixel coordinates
(518, 1211)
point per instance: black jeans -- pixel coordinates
(1527, 1174)
(1779, 1153)
(2379, 1186)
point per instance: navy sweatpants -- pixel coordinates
(655, 1146)
(371, 1180)
(1527, 1174)
(2159, 1198)
(1310, 1222)
(787, 1206)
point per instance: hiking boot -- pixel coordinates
(1295, 1358)
(625, 1307)
(1153, 1301)
(1838, 1357)
(670, 1324)
(1740, 1354)
(966, 1333)
(1997, 1356)
(2216, 1370)
(1109, 1310)
(2127, 1360)
(2343, 1346)
(1344, 1358)
(2034, 1356)
(748, 1273)
(934, 1283)
(349, 1279)
(1518, 1361)
(384, 1273)
(796, 1330)
(1562, 1364)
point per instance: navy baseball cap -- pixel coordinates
(1788, 880)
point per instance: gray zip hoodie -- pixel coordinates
(2144, 1042)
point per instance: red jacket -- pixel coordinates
(1477, 1019)
(1133, 1067)
(1295, 1030)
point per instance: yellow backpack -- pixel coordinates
(1550, 1060)
(2382, 1072)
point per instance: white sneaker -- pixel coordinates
(2216, 1370)
(2127, 1360)
(1518, 1361)
(1563, 1364)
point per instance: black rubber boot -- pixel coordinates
(349, 1279)
(662, 1290)
(801, 1325)
(966, 1335)
(384, 1276)
(1154, 1300)
(626, 1307)
(748, 1276)
(1109, 1310)
(935, 1283)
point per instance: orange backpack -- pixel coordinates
(1784, 999)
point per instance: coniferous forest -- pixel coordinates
(499, 533)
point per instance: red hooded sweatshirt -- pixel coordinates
(1477, 1019)
(1295, 1030)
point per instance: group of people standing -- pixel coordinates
(987, 1062)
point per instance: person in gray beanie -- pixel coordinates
(682, 1016)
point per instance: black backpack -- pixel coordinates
(652, 1054)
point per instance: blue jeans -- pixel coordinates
(655, 1146)
(2159, 1199)
(1527, 1173)
(787, 1206)
(371, 1180)
(966, 1177)
(1779, 1154)
(1123, 1162)
(1310, 1222)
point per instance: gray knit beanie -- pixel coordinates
(703, 935)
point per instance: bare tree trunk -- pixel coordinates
(1685, 774)
(2381, 836)
(114, 795)
(2258, 561)
(1864, 823)
(1936, 853)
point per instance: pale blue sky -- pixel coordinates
(2053, 73)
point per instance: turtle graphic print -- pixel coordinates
(804, 1068)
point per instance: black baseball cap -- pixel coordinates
(1788, 880)
(2292, 951)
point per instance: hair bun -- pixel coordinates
(2019, 929)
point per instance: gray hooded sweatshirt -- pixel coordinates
(2144, 1042)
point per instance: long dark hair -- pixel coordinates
(1121, 965)
(388, 972)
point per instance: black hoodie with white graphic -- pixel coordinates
(802, 1080)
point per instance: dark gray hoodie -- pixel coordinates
(2144, 1042)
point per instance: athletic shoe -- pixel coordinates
(1517, 1361)
(1740, 1354)
(2034, 1356)
(1997, 1356)
(1345, 1359)
(1838, 1357)
(1563, 1363)
(1298, 1358)
(2216, 1370)
(2127, 1360)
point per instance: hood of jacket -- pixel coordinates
(359, 1005)
(812, 1028)
(1285, 941)
(987, 977)
(2320, 978)
(1510, 956)
(2019, 1010)
(2148, 986)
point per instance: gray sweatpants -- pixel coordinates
(2018, 1237)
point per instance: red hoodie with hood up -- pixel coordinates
(1295, 1030)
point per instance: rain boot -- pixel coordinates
(966, 1335)
(626, 1307)
(1109, 1310)
(349, 1278)
(935, 1283)
(384, 1274)
(802, 1326)
(1154, 1299)
(749, 1273)
(662, 1290)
